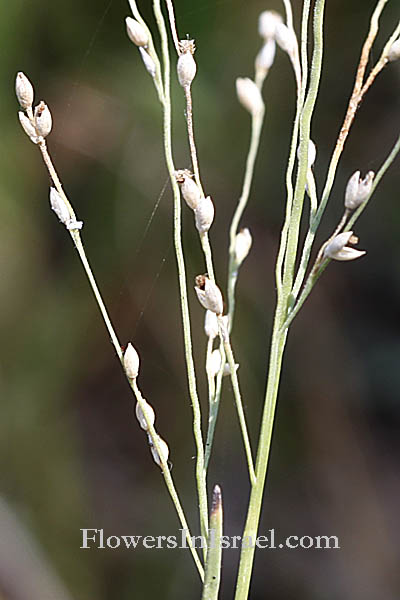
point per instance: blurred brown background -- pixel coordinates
(72, 454)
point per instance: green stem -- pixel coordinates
(200, 472)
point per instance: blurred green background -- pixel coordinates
(72, 454)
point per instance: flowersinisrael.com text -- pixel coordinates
(96, 538)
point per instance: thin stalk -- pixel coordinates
(214, 559)
(200, 471)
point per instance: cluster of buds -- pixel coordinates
(337, 248)
(358, 190)
(186, 67)
(144, 411)
(140, 37)
(36, 123)
(202, 206)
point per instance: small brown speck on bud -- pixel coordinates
(43, 120)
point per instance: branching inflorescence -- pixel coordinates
(295, 274)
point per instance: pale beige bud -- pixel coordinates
(337, 249)
(163, 449)
(59, 206)
(204, 214)
(214, 363)
(136, 32)
(394, 51)
(211, 324)
(24, 90)
(227, 369)
(267, 22)
(209, 294)
(190, 192)
(149, 414)
(358, 190)
(265, 58)
(43, 120)
(148, 62)
(243, 243)
(131, 362)
(286, 39)
(312, 153)
(186, 66)
(249, 95)
(28, 127)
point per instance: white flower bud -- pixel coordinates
(43, 120)
(204, 214)
(148, 62)
(227, 369)
(312, 153)
(243, 243)
(266, 56)
(149, 413)
(394, 51)
(136, 32)
(214, 363)
(190, 192)
(286, 39)
(131, 362)
(249, 95)
(28, 127)
(337, 249)
(267, 22)
(358, 190)
(163, 448)
(211, 324)
(59, 206)
(24, 90)
(72, 224)
(186, 67)
(209, 294)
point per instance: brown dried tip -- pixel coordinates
(216, 499)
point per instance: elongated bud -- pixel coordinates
(337, 249)
(28, 127)
(243, 243)
(358, 190)
(214, 363)
(267, 22)
(131, 362)
(149, 414)
(43, 120)
(24, 91)
(209, 294)
(59, 206)
(136, 32)
(204, 214)
(163, 449)
(211, 324)
(190, 190)
(312, 153)
(286, 39)
(394, 51)
(148, 62)
(186, 67)
(249, 95)
(266, 56)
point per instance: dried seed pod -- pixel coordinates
(131, 362)
(211, 324)
(186, 66)
(136, 32)
(204, 214)
(190, 191)
(358, 190)
(337, 249)
(249, 95)
(267, 22)
(209, 294)
(394, 51)
(28, 127)
(24, 90)
(214, 363)
(163, 448)
(149, 413)
(148, 62)
(265, 58)
(243, 242)
(43, 120)
(59, 206)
